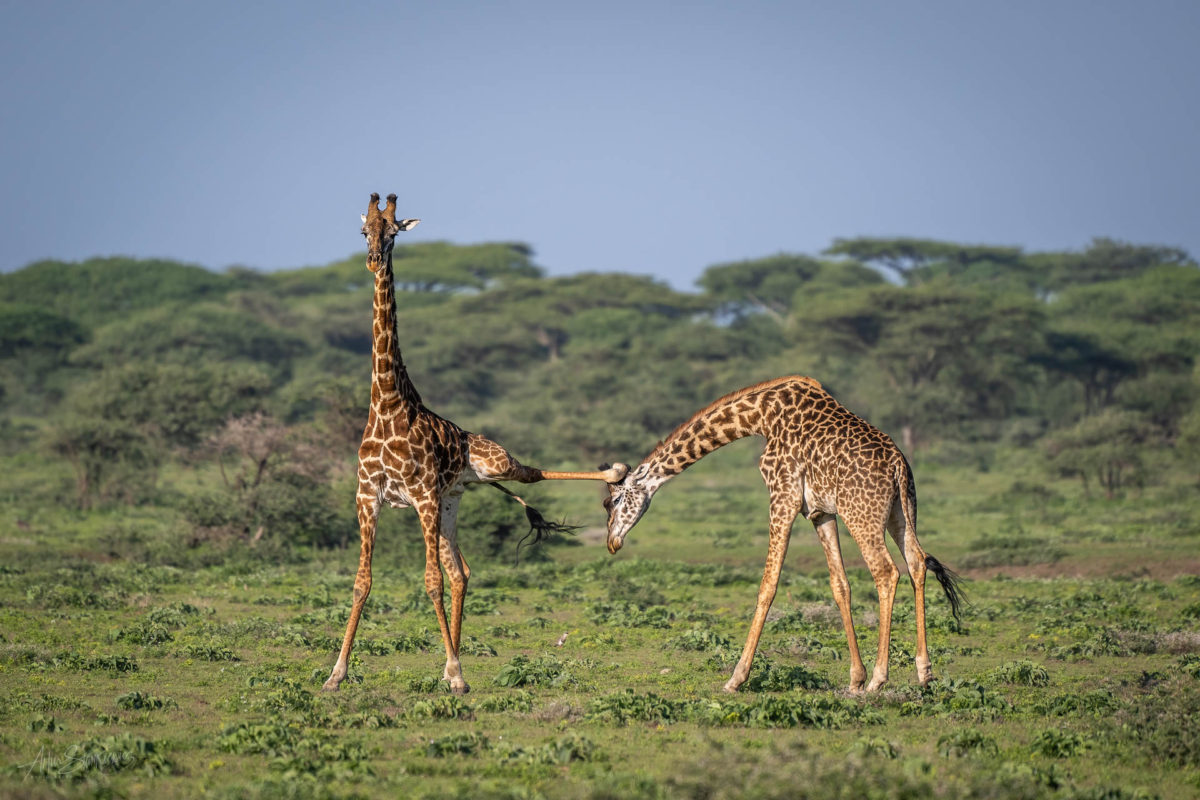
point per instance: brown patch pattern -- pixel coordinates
(820, 461)
(410, 456)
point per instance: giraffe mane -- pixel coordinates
(729, 398)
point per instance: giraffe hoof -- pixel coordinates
(460, 688)
(874, 687)
(730, 687)
(331, 685)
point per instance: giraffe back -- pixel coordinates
(845, 463)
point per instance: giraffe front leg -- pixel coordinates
(368, 515)
(827, 532)
(781, 527)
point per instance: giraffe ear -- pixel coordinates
(408, 224)
(364, 217)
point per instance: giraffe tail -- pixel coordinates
(950, 582)
(540, 528)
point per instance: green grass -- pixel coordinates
(132, 666)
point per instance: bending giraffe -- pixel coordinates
(412, 457)
(820, 461)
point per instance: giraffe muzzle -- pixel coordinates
(614, 543)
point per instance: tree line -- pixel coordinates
(236, 398)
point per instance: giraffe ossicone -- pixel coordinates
(820, 461)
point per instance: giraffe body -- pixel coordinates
(411, 457)
(820, 461)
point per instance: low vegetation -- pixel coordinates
(177, 545)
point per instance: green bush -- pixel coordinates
(141, 701)
(93, 757)
(966, 743)
(458, 744)
(1054, 743)
(1021, 673)
(541, 671)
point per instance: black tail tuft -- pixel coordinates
(542, 529)
(951, 584)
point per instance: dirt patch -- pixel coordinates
(1095, 567)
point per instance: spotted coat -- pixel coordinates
(820, 461)
(410, 456)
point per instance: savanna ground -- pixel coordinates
(1074, 674)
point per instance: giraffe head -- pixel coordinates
(380, 228)
(627, 501)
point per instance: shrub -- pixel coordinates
(773, 678)
(144, 632)
(91, 757)
(1058, 744)
(1021, 673)
(630, 706)
(700, 639)
(458, 744)
(90, 663)
(443, 707)
(956, 697)
(967, 742)
(1166, 724)
(876, 747)
(470, 646)
(44, 724)
(556, 752)
(630, 615)
(140, 701)
(210, 652)
(512, 701)
(542, 671)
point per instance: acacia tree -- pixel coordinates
(933, 354)
(765, 284)
(1104, 260)
(916, 260)
(1105, 446)
(112, 460)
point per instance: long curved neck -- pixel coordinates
(712, 427)
(390, 384)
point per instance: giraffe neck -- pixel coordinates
(390, 384)
(726, 420)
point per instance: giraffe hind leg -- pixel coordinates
(430, 514)
(867, 524)
(914, 558)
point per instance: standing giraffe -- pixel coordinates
(412, 457)
(820, 460)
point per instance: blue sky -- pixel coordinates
(656, 138)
